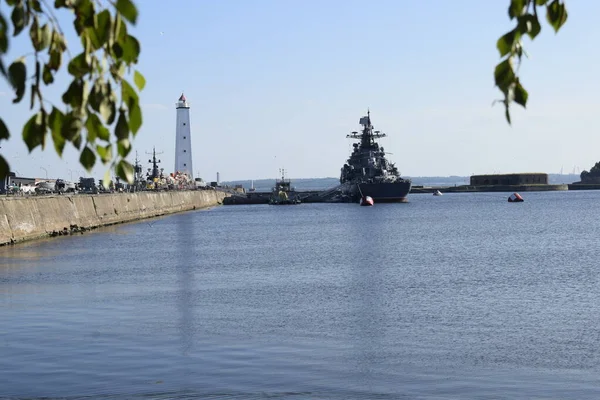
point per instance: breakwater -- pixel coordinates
(327, 196)
(27, 218)
(492, 188)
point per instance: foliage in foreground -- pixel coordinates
(510, 45)
(98, 100)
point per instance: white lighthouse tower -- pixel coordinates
(183, 139)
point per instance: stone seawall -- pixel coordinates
(26, 218)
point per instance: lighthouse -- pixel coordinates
(183, 139)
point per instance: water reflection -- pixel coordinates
(369, 289)
(18, 255)
(185, 234)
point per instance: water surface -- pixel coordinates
(451, 297)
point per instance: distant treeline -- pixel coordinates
(262, 185)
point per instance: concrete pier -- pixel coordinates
(33, 217)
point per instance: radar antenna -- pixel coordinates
(154, 172)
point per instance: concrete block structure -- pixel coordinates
(534, 178)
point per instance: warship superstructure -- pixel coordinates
(367, 172)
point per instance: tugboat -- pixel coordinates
(283, 193)
(367, 172)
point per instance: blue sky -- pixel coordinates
(277, 83)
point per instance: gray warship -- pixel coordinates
(367, 172)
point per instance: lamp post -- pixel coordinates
(70, 174)
(45, 170)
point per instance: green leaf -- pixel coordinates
(36, 5)
(130, 49)
(77, 140)
(124, 170)
(79, 67)
(35, 33)
(540, 2)
(556, 14)
(124, 147)
(19, 18)
(47, 75)
(71, 128)
(128, 10)
(504, 75)
(89, 36)
(55, 59)
(520, 94)
(507, 115)
(139, 80)
(34, 131)
(130, 98)
(117, 70)
(506, 42)
(3, 35)
(516, 8)
(46, 35)
(4, 134)
(105, 152)
(128, 93)
(97, 94)
(4, 168)
(84, 11)
(95, 129)
(74, 94)
(122, 127)
(120, 29)
(87, 158)
(56, 122)
(17, 73)
(103, 26)
(530, 25)
(135, 118)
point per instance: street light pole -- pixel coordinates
(45, 170)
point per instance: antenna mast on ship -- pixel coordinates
(137, 168)
(368, 135)
(154, 171)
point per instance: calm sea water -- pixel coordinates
(464, 296)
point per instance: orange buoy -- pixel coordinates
(366, 201)
(515, 198)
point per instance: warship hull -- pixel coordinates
(382, 192)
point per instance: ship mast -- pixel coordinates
(154, 171)
(368, 135)
(137, 168)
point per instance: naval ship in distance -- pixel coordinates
(367, 172)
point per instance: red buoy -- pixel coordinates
(366, 201)
(515, 198)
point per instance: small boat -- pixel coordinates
(366, 201)
(283, 193)
(437, 193)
